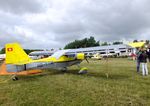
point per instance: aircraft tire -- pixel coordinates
(64, 69)
(15, 78)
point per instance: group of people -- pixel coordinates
(142, 56)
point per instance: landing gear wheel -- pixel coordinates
(15, 78)
(64, 69)
(83, 70)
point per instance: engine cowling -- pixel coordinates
(80, 56)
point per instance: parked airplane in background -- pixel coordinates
(97, 56)
(2, 57)
(17, 60)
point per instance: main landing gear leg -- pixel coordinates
(64, 69)
(15, 78)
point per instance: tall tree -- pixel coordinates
(86, 42)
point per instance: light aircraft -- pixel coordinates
(17, 60)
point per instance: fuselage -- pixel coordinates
(46, 63)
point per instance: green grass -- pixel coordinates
(109, 83)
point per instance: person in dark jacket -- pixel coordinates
(143, 60)
(138, 52)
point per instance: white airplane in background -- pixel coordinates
(2, 57)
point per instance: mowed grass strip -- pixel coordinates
(109, 82)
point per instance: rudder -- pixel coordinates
(15, 54)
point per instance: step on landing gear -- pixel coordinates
(64, 69)
(83, 70)
(15, 78)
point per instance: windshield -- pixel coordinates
(59, 53)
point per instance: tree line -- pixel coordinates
(26, 50)
(91, 42)
(88, 42)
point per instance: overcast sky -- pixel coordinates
(54, 23)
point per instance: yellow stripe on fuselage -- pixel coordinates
(53, 59)
(80, 56)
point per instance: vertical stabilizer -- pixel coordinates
(15, 54)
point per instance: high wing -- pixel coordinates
(59, 53)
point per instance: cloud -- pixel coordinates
(54, 23)
(21, 6)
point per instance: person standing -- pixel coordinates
(138, 53)
(148, 53)
(143, 59)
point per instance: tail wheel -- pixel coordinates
(64, 69)
(15, 78)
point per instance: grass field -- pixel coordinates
(109, 83)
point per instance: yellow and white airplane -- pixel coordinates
(17, 60)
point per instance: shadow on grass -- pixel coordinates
(34, 77)
(109, 76)
(100, 75)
